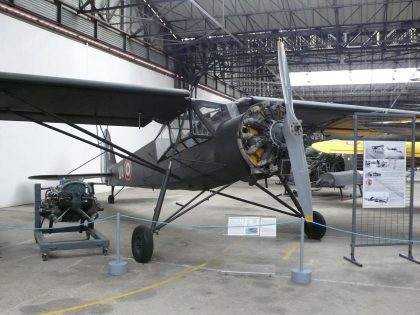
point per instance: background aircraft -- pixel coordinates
(203, 146)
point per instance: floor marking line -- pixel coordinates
(291, 250)
(111, 298)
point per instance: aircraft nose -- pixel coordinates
(261, 136)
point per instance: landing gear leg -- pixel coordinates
(111, 197)
(142, 238)
(312, 230)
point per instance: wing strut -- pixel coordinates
(293, 134)
(130, 156)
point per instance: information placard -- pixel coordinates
(268, 226)
(384, 174)
(236, 226)
(252, 226)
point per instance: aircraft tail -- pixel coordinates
(107, 158)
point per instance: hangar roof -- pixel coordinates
(231, 43)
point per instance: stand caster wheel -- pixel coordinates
(111, 199)
(44, 257)
(105, 251)
(142, 244)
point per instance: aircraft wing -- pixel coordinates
(337, 119)
(87, 102)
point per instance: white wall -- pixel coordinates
(28, 149)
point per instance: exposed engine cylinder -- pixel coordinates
(70, 201)
(261, 137)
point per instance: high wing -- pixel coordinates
(91, 102)
(337, 119)
(86, 102)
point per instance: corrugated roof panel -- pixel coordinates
(267, 6)
(234, 24)
(416, 11)
(374, 13)
(259, 22)
(300, 18)
(324, 17)
(352, 15)
(400, 11)
(230, 7)
(277, 21)
(208, 5)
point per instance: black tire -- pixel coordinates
(315, 231)
(142, 244)
(111, 199)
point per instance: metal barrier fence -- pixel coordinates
(16, 228)
(386, 212)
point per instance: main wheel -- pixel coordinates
(142, 244)
(315, 231)
(111, 199)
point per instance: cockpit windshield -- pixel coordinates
(214, 114)
(192, 127)
(184, 131)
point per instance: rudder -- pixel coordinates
(107, 157)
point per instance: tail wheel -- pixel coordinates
(142, 244)
(315, 231)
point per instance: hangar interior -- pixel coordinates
(364, 53)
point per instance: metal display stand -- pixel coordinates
(383, 226)
(94, 239)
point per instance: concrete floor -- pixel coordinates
(184, 276)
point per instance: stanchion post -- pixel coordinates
(117, 267)
(301, 275)
(301, 250)
(117, 237)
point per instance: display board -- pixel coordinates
(384, 174)
(252, 226)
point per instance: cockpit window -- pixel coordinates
(193, 131)
(198, 127)
(214, 114)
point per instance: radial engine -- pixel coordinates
(70, 201)
(261, 140)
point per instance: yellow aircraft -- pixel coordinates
(347, 147)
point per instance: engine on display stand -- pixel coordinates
(72, 200)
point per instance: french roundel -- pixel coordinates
(128, 168)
